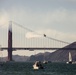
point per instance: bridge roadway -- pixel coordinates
(36, 48)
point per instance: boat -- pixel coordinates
(70, 59)
(45, 62)
(38, 65)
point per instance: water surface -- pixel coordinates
(23, 68)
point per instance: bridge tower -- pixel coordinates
(10, 41)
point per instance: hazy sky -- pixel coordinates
(55, 18)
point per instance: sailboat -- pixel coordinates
(44, 61)
(70, 58)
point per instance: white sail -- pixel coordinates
(70, 57)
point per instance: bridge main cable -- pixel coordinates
(44, 35)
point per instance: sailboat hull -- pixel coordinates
(69, 62)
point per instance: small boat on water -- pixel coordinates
(38, 65)
(45, 62)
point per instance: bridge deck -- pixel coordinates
(33, 48)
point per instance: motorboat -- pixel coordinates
(38, 65)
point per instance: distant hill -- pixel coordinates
(16, 58)
(39, 57)
(20, 58)
(57, 56)
(62, 55)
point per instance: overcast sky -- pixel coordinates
(55, 18)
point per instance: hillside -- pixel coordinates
(16, 58)
(62, 55)
(57, 56)
(39, 57)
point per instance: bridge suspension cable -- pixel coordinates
(57, 40)
(44, 35)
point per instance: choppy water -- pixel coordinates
(26, 69)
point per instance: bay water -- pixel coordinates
(25, 68)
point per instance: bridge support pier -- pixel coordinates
(10, 42)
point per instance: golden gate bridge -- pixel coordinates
(16, 40)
